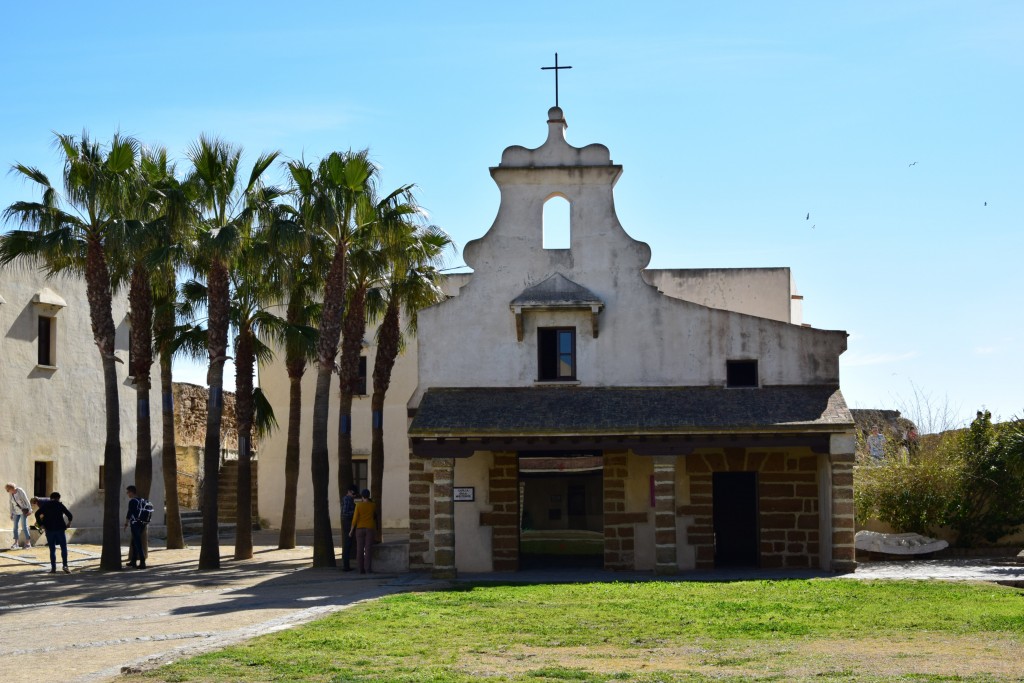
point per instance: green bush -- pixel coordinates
(971, 481)
(989, 499)
(909, 494)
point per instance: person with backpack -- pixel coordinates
(137, 519)
(51, 514)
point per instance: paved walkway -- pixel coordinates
(91, 624)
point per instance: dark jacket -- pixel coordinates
(51, 515)
(134, 510)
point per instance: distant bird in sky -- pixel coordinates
(808, 217)
(913, 164)
(813, 226)
(986, 203)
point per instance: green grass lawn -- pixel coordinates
(819, 630)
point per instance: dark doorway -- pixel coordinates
(561, 504)
(734, 509)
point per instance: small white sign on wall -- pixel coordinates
(463, 494)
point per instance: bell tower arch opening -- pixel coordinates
(556, 223)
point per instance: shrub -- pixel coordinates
(989, 499)
(970, 481)
(909, 494)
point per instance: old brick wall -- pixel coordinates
(503, 495)
(787, 501)
(421, 481)
(619, 525)
(190, 407)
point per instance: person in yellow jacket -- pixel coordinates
(364, 528)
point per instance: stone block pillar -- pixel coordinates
(444, 519)
(619, 526)
(665, 559)
(504, 516)
(843, 529)
(421, 479)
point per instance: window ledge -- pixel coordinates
(40, 366)
(556, 382)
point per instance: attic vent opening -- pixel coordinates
(556, 223)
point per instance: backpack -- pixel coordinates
(145, 512)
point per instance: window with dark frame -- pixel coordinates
(361, 378)
(103, 474)
(361, 475)
(741, 373)
(46, 341)
(556, 354)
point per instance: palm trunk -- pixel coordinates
(244, 361)
(217, 342)
(295, 363)
(291, 462)
(387, 352)
(353, 329)
(140, 303)
(169, 450)
(97, 282)
(327, 348)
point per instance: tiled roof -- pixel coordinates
(557, 290)
(547, 410)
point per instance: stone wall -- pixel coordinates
(190, 407)
(619, 526)
(503, 518)
(787, 505)
(421, 480)
(190, 401)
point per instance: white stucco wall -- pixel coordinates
(762, 292)
(57, 413)
(274, 382)
(645, 338)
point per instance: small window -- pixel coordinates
(556, 353)
(361, 378)
(556, 223)
(47, 341)
(103, 472)
(42, 479)
(361, 475)
(741, 373)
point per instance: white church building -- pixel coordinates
(570, 407)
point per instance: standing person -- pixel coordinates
(876, 444)
(134, 520)
(19, 513)
(348, 543)
(364, 526)
(51, 514)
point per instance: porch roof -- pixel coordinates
(627, 411)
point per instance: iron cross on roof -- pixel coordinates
(556, 68)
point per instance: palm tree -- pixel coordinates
(341, 180)
(413, 282)
(299, 266)
(227, 209)
(366, 266)
(96, 183)
(171, 243)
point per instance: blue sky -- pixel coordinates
(732, 120)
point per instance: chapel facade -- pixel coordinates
(573, 408)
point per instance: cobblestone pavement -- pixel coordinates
(88, 625)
